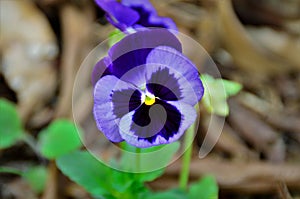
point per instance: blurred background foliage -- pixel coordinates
(254, 43)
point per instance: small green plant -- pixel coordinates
(11, 127)
(59, 138)
(217, 91)
(103, 181)
(34, 175)
(60, 141)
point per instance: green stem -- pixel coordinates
(10, 170)
(30, 141)
(137, 159)
(186, 159)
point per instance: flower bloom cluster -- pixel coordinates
(132, 14)
(145, 89)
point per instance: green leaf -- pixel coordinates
(10, 170)
(10, 124)
(152, 160)
(216, 92)
(174, 194)
(126, 185)
(206, 188)
(231, 88)
(87, 171)
(97, 178)
(59, 138)
(36, 177)
(115, 36)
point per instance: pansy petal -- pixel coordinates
(144, 39)
(104, 87)
(125, 100)
(100, 69)
(140, 3)
(160, 118)
(162, 83)
(126, 64)
(181, 68)
(132, 51)
(145, 10)
(108, 109)
(148, 15)
(140, 135)
(107, 122)
(165, 22)
(118, 14)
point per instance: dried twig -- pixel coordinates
(283, 191)
(76, 26)
(277, 118)
(247, 54)
(51, 186)
(255, 131)
(231, 144)
(245, 177)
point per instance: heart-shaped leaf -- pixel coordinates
(87, 171)
(10, 124)
(216, 92)
(59, 138)
(206, 188)
(36, 176)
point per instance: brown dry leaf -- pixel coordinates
(281, 44)
(18, 189)
(254, 130)
(76, 33)
(246, 53)
(242, 177)
(28, 47)
(184, 14)
(274, 115)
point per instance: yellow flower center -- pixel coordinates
(149, 100)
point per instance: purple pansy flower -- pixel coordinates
(134, 14)
(145, 90)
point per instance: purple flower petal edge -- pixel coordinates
(132, 51)
(133, 14)
(119, 15)
(106, 119)
(188, 118)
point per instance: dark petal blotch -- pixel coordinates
(171, 126)
(125, 101)
(164, 85)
